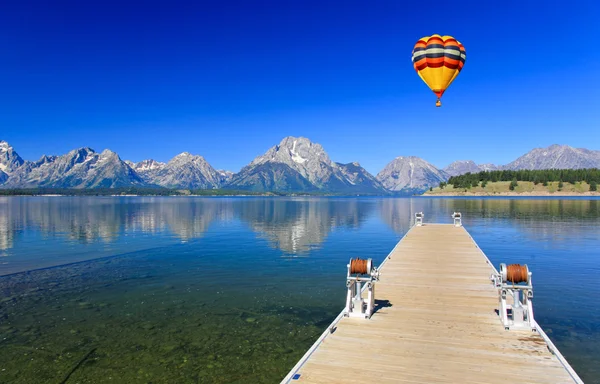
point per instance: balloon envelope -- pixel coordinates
(438, 60)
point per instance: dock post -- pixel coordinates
(457, 219)
(419, 219)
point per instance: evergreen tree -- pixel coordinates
(593, 186)
(513, 184)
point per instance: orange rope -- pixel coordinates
(358, 266)
(516, 273)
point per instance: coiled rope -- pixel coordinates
(516, 273)
(358, 266)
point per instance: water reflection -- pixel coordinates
(547, 221)
(297, 226)
(6, 232)
(293, 226)
(399, 214)
(537, 217)
(87, 220)
(186, 219)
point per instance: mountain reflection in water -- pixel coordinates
(292, 225)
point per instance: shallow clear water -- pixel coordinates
(227, 290)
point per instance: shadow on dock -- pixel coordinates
(381, 304)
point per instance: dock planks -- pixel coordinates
(440, 327)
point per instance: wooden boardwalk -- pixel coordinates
(440, 325)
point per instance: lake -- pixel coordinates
(235, 290)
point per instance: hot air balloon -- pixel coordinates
(438, 60)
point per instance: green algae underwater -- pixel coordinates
(124, 320)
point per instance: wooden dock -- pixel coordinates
(435, 322)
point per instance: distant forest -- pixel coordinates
(544, 176)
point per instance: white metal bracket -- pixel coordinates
(457, 217)
(519, 314)
(419, 219)
(356, 305)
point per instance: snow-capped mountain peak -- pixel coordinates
(9, 159)
(297, 163)
(183, 155)
(300, 154)
(225, 176)
(4, 146)
(146, 165)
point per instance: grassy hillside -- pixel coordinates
(501, 188)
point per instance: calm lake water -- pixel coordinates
(235, 290)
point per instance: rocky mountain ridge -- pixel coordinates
(462, 166)
(556, 156)
(410, 173)
(79, 168)
(184, 171)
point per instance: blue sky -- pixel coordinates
(229, 79)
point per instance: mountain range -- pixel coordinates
(294, 165)
(555, 156)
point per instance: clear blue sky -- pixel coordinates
(229, 79)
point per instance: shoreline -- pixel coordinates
(202, 195)
(532, 194)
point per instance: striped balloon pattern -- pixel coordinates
(438, 60)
